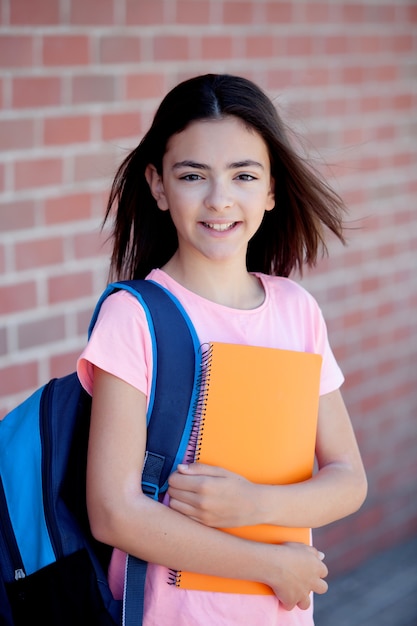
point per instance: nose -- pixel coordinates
(218, 197)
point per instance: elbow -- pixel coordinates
(101, 526)
(358, 491)
(361, 490)
(104, 522)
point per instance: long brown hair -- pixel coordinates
(291, 235)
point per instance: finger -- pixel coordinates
(182, 507)
(304, 604)
(183, 495)
(180, 481)
(191, 512)
(201, 469)
(321, 587)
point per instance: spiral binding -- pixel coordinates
(197, 427)
(199, 408)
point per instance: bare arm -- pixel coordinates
(122, 516)
(219, 498)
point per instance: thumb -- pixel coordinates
(199, 469)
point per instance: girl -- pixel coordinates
(215, 206)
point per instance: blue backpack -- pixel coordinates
(53, 571)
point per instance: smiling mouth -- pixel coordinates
(219, 227)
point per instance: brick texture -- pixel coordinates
(79, 82)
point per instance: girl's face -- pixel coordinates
(217, 185)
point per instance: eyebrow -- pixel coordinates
(204, 166)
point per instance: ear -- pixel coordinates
(270, 203)
(156, 186)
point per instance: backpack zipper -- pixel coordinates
(10, 554)
(45, 408)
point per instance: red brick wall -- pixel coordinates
(79, 81)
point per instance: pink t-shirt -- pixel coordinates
(289, 318)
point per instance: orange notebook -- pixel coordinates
(259, 419)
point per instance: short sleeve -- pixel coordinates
(120, 344)
(331, 374)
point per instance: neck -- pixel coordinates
(231, 286)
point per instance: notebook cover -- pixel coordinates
(259, 420)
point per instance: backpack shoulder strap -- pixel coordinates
(176, 368)
(172, 404)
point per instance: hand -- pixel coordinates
(301, 571)
(212, 496)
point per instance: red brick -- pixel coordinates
(17, 297)
(93, 166)
(216, 47)
(17, 378)
(279, 12)
(371, 44)
(299, 45)
(16, 51)
(279, 79)
(37, 173)
(93, 88)
(352, 136)
(238, 12)
(411, 13)
(371, 103)
(3, 341)
(317, 12)
(336, 44)
(115, 125)
(83, 321)
(120, 49)
(65, 130)
(260, 46)
(352, 13)
(354, 74)
(39, 253)
(336, 106)
(36, 91)
(3, 182)
(62, 364)
(379, 13)
(71, 208)
(140, 86)
(170, 48)
(65, 50)
(16, 134)
(402, 159)
(69, 287)
(92, 12)
(41, 332)
(191, 12)
(41, 12)
(17, 215)
(90, 244)
(314, 76)
(145, 12)
(383, 73)
(403, 101)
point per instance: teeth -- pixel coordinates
(219, 227)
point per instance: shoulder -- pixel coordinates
(121, 303)
(278, 287)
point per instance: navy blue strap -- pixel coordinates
(134, 591)
(174, 396)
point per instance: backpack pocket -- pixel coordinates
(64, 593)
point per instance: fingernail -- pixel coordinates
(321, 556)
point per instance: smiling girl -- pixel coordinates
(216, 207)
